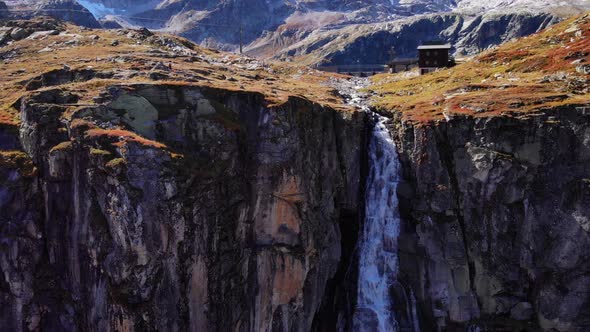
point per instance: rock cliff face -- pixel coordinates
(239, 229)
(249, 224)
(497, 212)
(66, 10)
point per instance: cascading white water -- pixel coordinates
(378, 266)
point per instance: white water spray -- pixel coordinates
(378, 246)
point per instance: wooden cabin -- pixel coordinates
(432, 56)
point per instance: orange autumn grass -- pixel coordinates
(522, 76)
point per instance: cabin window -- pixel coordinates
(427, 62)
(435, 52)
(427, 53)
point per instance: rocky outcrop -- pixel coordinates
(22, 244)
(67, 10)
(36, 28)
(225, 214)
(4, 12)
(197, 205)
(496, 211)
(183, 208)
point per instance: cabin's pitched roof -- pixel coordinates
(435, 47)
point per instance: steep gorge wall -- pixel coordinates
(235, 224)
(496, 220)
(247, 218)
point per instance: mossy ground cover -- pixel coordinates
(17, 160)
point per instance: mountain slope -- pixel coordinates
(335, 32)
(66, 10)
(219, 21)
(374, 43)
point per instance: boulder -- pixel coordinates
(19, 33)
(161, 66)
(583, 69)
(4, 34)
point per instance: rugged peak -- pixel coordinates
(3, 10)
(66, 10)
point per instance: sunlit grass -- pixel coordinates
(510, 79)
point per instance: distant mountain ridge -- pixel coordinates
(330, 29)
(378, 43)
(66, 10)
(224, 23)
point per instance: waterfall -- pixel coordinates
(415, 321)
(378, 266)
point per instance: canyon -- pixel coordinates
(147, 183)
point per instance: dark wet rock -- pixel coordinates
(21, 231)
(9, 138)
(157, 76)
